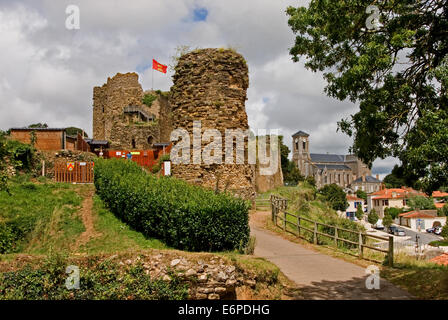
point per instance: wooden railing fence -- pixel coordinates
(279, 211)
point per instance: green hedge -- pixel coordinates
(183, 216)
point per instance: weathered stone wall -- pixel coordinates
(210, 85)
(264, 183)
(124, 131)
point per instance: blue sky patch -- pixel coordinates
(142, 67)
(200, 14)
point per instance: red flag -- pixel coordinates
(158, 66)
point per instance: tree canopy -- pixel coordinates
(396, 71)
(73, 131)
(335, 196)
(421, 203)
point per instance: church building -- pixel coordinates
(343, 170)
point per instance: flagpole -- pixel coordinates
(152, 85)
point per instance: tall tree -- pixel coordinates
(335, 196)
(396, 69)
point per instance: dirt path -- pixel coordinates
(87, 219)
(318, 276)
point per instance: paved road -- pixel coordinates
(425, 237)
(320, 276)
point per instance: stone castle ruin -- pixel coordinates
(209, 86)
(121, 117)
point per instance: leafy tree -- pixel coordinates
(73, 131)
(38, 125)
(398, 178)
(335, 196)
(361, 194)
(443, 212)
(293, 175)
(284, 153)
(387, 220)
(359, 213)
(372, 217)
(311, 181)
(393, 212)
(397, 72)
(421, 203)
(445, 231)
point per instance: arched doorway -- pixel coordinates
(436, 224)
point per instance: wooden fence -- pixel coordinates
(279, 206)
(73, 172)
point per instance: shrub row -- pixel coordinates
(105, 280)
(184, 216)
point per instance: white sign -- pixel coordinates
(82, 163)
(118, 153)
(167, 168)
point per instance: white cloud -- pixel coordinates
(48, 73)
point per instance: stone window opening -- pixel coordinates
(133, 143)
(150, 140)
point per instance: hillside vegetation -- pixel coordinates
(307, 202)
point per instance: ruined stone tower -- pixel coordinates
(120, 116)
(210, 85)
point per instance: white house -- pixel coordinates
(421, 220)
(354, 202)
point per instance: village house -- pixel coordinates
(354, 202)
(420, 220)
(368, 184)
(390, 198)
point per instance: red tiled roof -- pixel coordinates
(353, 198)
(442, 259)
(439, 194)
(439, 205)
(395, 193)
(418, 214)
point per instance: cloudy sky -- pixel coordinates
(47, 72)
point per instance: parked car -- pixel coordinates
(430, 230)
(378, 225)
(399, 232)
(438, 230)
(392, 229)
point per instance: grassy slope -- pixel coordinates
(116, 235)
(54, 210)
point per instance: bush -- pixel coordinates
(359, 213)
(6, 238)
(183, 216)
(444, 233)
(387, 220)
(148, 99)
(393, 212)
(421, 202)
(372, 217)
(335, 196)
(105, 280)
